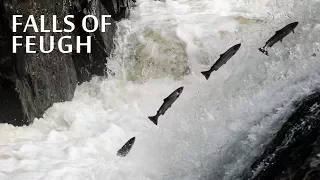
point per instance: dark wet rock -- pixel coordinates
(118, 9)
(8, 95)
(294, 153)
(40, 79)
(31, 83)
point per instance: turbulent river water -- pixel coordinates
(216, 127)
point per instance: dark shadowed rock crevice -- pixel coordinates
(294, 152)
(31, 83)
(10, 103)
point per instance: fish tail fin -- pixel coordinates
(154, 119)
(206, 74)
(264, 51)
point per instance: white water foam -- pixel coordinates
(215, 128)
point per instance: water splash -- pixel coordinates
(212, 131)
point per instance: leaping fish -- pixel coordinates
(167, 102)
(125, 149)
(222, 60)
(278, 36)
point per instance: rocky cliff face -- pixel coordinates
(294, 153)
(31, 83)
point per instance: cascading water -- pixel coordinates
(216, 127)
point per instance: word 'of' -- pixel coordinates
(67, 48)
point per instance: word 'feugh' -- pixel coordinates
(63, 47)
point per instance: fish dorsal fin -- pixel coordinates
(165, 99)
(277, 31)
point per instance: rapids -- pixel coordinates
(216, 127)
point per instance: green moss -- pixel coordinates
(158, 56)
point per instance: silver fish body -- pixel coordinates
(278, 36)
(224, 58)
(125, 149)
(167, 102)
